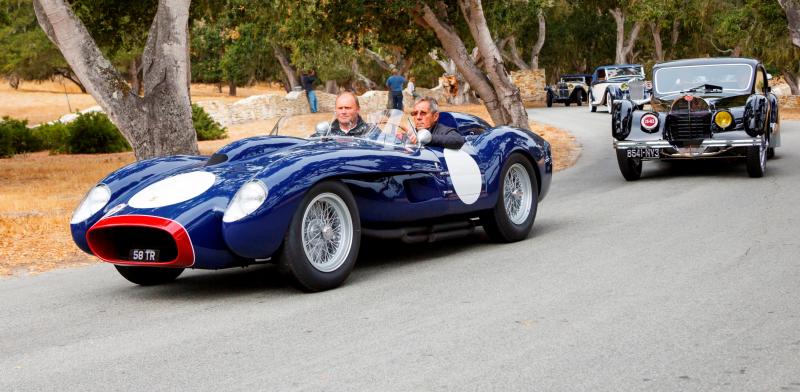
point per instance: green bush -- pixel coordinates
(15, 137)
(93, 133)
(54, 137)
(205, 126)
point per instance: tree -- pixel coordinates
(160, 122)
(792, 9)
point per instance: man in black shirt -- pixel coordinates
(426, 116)
(348, 120)
(307, 80)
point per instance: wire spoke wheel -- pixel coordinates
(327, 232)
(517, 194)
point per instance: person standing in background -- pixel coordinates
(412, 88)
(307, 80)
(395, 84)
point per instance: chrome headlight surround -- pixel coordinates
(724, 119)
(246, 200)
(94, 201)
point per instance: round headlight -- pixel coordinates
(96, 199)
(623, 86)
(249, 197)
(570, 85)
(723, 119)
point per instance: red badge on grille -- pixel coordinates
(688, 98)
(649, 121)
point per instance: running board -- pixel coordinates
(417, 234)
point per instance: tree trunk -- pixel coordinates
(231, 88)
(160, 122)
(288, 69)
(455, 49)
(513, 112)
(134, 68)
(13, 81)
(656, 30)
(331, 87)
(515, 57)
(457, 88)
(791, 80)
(792, 9)
(624, 49)
(676, 25)
(537, 48)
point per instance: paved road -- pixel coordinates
(686, 280)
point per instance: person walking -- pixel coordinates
(307, 80)
(412, 88)
(395, 84)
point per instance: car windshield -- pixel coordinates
(625, 72)
(572, 80)
(387, 126)
(705, 78)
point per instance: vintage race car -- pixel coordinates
(306, 202)
(572, 88)
(701, 108)
(613, 82)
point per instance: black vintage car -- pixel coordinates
(571, 88)
(701, 108)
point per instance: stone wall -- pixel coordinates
(531, 85)
(262, 107)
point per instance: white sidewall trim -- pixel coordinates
(465, 174)
(173, 190)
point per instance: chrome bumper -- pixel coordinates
(699, 151)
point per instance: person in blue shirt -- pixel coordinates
(395, 84)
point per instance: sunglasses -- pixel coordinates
(420, 112)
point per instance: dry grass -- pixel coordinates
(38, 191)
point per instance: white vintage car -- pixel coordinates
(613, 82)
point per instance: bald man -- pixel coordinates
(348, 120)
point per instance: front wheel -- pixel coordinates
(580, 98)
(757, 159)
(592, 107)
(322, 244)
(148, 276)
(512, 217)
(609, 101)
(631, 168)
(549, 100)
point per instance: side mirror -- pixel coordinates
(424, 136)
(322, 128)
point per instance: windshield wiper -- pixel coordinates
(705, 87)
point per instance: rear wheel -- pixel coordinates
(757, 159)
(148, 276)
(322, 244)
(513, 215)
(631, 168)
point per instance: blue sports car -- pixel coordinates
(305, 203)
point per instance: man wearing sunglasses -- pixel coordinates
(426, 116)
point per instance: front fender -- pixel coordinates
(621, 119)
(755, 115)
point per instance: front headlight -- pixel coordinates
(624, 86)
(249, 197)
(570, 85)
(96, 199)
(723, 119)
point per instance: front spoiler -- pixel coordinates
(701, 150)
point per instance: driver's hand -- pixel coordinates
(403, 135)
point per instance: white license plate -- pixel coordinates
(143, 255)
(645, 153)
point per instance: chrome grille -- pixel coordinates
(686, 125)
(636, 88)
(563, 90)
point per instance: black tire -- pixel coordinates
(771, 153)
(566, 103)
(148, 276)
(580, 98)
(757, 160)
(340, 206)
(609, 101)
(549, 99)
(631, 168)
(592, 107)
(503, 225)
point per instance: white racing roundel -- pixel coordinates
(173, 190)
(649, 122)
(465, 174)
